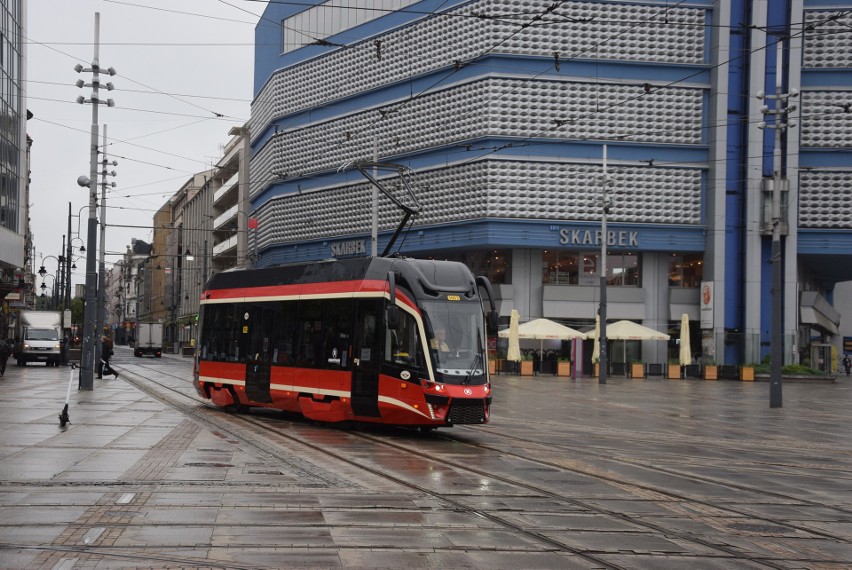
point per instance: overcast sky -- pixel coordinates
(184, 78)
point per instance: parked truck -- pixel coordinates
(38, 337)
(149, 339)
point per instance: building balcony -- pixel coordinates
(226, 246)
(226, 189)
(224, 218)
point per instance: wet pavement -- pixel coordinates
(569, 474)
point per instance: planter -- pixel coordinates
(674, 371)
(526, 367)
(492, 366)
(747, 373)
(637, 370)
(711, 372)
(563, 369)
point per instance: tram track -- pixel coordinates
(272, 426)
(456, 504)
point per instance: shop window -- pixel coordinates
(493, 264)
(581, 268)
(686, 270)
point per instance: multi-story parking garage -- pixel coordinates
(502, 109)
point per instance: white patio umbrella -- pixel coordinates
(685, 350)
(545, 329)
(627, 330)
(513, 354)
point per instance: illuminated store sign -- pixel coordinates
(593, 237)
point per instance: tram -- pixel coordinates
(386, 340)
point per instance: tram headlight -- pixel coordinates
(432, 385)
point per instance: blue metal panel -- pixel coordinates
(736, 183)
(825, 158)
(509, 234)
(824, 242)
(828, 77)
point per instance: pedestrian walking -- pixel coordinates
(106, 354)
(5, 352)
(847, 364)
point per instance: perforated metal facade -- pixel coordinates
(494, 107)
(437, 43)
(827, 39)
(493, 189)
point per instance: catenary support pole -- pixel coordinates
(101, 316)
(87, 361)
(603, 360)
(776, 346)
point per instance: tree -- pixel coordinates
(77, 310)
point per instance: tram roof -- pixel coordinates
(423, 275)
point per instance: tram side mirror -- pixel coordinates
(493, 321)
(393, 317)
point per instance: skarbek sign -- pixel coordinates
(593, 237)
(353, 247)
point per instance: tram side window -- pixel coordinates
(222, 332)
(324, 331)
(264, 319)
(283, 342)
(402, 346)
(368, 333)
(337, 332)
(309, 326)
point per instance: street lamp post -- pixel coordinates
(69, 253)
(87, 362)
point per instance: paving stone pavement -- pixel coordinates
(134, 483)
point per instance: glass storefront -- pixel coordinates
(495, 264)
(686, 270)
(561, 267)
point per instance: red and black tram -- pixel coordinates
(385, 340)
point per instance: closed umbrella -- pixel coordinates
(685, 350)
(514, 352)
(596, 351)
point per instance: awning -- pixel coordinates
(815, 310)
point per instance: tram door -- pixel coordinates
(366, 359)
(258, 325)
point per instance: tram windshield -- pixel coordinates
(456, 338)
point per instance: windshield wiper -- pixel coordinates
(476, 361)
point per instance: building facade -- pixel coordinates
(201, 230)
(16, 254)
(504, 116)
